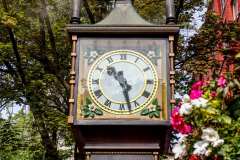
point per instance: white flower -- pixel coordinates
(185, 109)
(179, 150)
(200, 102)
(186, 98)
(200, 147)
(208, 152)
(182, 137)
(210, 135)
(218, 143)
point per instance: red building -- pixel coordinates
(229, 10)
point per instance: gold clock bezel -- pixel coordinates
(118, 52)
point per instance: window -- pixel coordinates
(223, 4)
(235, 9)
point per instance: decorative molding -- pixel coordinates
(172, 70)
(72, 78)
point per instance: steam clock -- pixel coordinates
(121, 84)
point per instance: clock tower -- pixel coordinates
(121, 84)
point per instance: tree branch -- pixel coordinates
(50, 31)
(15, 49)
(89, 12)
(179, 9)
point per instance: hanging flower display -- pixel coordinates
(207, 121)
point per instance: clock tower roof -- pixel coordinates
(124, 14)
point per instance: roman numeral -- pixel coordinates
(146, 94)
(123, 56)
(136, 104)
(149, 81)
(95, 81)
(98, 93)
(121, 107)
(109, 59)
(108, 103)
(146, 69)
(99, 69)
(136, 60)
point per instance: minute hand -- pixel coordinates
(125, 93)
(125, 86)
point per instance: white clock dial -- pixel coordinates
(122, 82)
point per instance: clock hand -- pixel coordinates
(126, 95)
(123, 83)
(125, 86)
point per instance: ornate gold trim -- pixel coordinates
(164, 100)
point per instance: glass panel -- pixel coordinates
(128, 82)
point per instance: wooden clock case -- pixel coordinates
(121, 139)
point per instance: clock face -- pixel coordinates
(122, 82)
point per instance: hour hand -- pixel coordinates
(126, 95)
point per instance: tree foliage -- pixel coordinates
(214, 47)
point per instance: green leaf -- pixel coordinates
(234, 108)
(219, 90)
(98, 112)
(211, 111)
(86, 114)
(155, 102)
(158, 108)
(88, 101)
(151, 114)
(213, 84)
(92, 115)
(226, 119)
(157, 114)
(85, 110)
(145, 112)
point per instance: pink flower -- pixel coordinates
(196, 90)
(178, 123)
(213, 94)
(197, 85)
(195, 94)
(221, 81)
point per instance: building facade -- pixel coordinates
(229, 10)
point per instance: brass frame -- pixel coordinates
(166, 111)
(133, 53)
